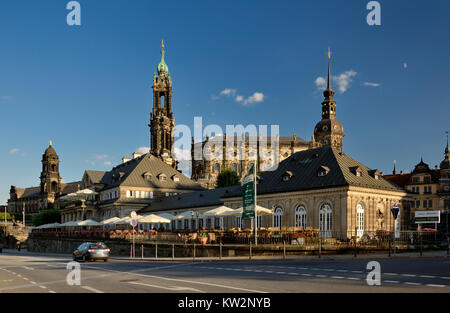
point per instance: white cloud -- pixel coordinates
(14, 151)
(228, 92)
(343, 81)
(321, 83)
(101, 157)
(107, 163)
(143, 150)
(371, 84)
(256, 97)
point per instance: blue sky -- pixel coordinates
(88, 88)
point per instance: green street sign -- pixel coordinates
(248, 194)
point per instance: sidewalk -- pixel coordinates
(328, 257)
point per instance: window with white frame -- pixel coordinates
(325, 219)
(238, 221)
(359, 220)
(300, 216)
(258, 221)
(277, 217)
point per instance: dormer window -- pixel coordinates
(162, 177)
(175, 178)
(375, 174)
(323, 171)
(287, 176)
(147, 176)
(357, 171)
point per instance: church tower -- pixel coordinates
(329, 131)
(162, 122)
(50, 179)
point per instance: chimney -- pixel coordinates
(401, 172)
(125, 160)
(136, 155)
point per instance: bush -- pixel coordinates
(47, 217)
(2, 216)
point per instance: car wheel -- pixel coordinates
(84, 258)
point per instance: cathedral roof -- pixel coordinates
(50, 151)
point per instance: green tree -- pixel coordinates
(47, 217)
(227, 177)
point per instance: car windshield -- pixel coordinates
(98, 246)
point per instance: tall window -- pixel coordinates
(325, 220)
(359, 220)
(258, 221)
(300, 217)
(277, 217)
(239, 221)
(217, 168)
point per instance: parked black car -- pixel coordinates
(89, 251)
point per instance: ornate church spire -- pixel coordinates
(329, 131)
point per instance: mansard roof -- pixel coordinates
(144, 171)
(305, 166)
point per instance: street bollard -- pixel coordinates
(448, 245)
(421, 243)
(194, 253)
(156, 250)
(142, 251)
(220, 249)
(320, 247)
(131, 251)
(284, 250)
(389, 245)
(250, 255)
(173, 251)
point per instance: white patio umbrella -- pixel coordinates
(259, 211)
(126, 220)
(70, 224)
(166, 215)
(219, 211)
(110, 221)
(187, 215)
(153, 219)
(89, 223)
(86, 191)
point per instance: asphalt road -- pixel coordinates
(46, 273)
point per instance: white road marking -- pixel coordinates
(51, 291)
(357, 272)
(172, 288)
(410, 283)
(391, 281)
(42, 286)
(337, 277)
(92, 289)
(293, 274)
(409, 275)
(427, 276)
(353, 278)
(434, 285)
(268, 271)
(342, 271)
(28, 268)
(280, 272)
(306, 274)
(321, 276)
(393, 274)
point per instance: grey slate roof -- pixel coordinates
(132, 173)
(304, 166)
(95, 176)
(190, 200)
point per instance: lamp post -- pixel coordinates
(23, 213)
(395, 211)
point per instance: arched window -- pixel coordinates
(277, 217)
(234, 167)
(359, 220)
(217, 168)
(325, 220)
(300, 216)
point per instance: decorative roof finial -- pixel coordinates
(394, 172)
(50, 143)
(329, 60)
